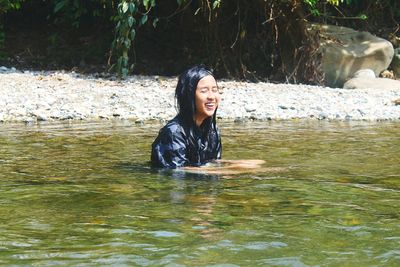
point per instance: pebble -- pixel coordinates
(29, 96)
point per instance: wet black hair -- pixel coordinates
(185, 94)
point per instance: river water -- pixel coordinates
(83, 194)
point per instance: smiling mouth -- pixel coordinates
(210, 105)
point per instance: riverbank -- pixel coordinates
(47, 96)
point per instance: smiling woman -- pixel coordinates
(192, 137)
(207, 99)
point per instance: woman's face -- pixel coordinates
(207, 98)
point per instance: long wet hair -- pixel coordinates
(185, 95)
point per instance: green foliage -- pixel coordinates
(6, 5)
(314, 3)
(125, 32)
(132, 14)
(2, 38)
(324, 8)
(235, 36)
(216, 4)
(72, 11)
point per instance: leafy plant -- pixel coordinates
(73, 11)
(6, 5)
(133, 14)
(125, 32)
(2, 38)
(243, 39)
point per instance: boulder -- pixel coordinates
(395, 65)
(345, 51)
(364, 73)
(372, 83)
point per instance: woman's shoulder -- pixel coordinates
(174, 126)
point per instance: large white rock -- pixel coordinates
(368, 83)
(345, 51)
(365, 73)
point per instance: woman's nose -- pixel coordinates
(211, 95)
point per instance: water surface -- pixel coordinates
(83, 194)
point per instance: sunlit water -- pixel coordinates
(83, 194)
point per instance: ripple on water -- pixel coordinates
(284, 261)
(164, 234)
(264, 245)
(223, 265)
(123, 231)
(389, 256)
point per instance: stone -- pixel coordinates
(387, 74)
(377, 83)
(395, 65)
(40, 114)
(345, 51)
(25, 97)
(283, 107)
(250, 107)
(364, 73)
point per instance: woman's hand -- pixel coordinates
(231, 167)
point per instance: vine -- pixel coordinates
(133, 14)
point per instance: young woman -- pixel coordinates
(192, 137)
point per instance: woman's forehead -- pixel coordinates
(208, 80)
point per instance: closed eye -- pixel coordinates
(213, 89)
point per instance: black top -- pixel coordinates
(178, 145)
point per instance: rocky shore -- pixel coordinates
(45, 96)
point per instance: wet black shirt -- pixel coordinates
(179, 145)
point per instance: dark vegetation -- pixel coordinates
(241, 39)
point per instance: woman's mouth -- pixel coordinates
(210, 106)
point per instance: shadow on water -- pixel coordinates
(146, 169)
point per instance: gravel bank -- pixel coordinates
(45, 96)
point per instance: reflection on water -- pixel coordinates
(84, 194)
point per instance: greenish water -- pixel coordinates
(82, 194)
